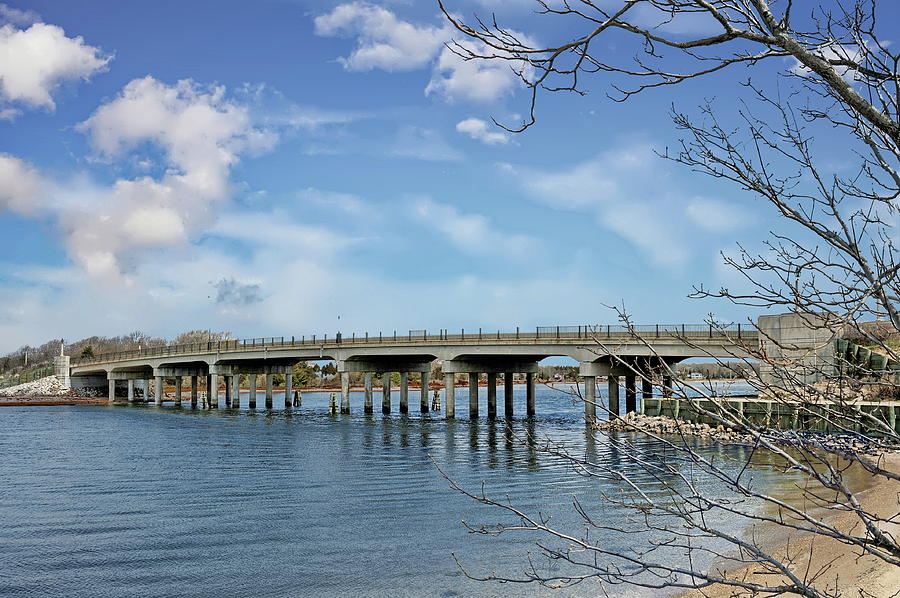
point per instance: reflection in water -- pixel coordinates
(140, 500)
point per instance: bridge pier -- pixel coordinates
(368, 407)
(112, 390)
(268, 391)
(253, 384)
(178, 381)
(630, 394)
(158, 389)
(404, 392)
(529, 394)
(345, 393)
(236, 391)
(131, 390)
(423, 395)
(508, 394)
(450, 391)
(386, 393)
(289, 391)
(492, 395)
(227, 380)
(193, 391)
(613, 395)
(590, 398)
(473, 395)
(646, 386)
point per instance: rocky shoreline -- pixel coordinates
(663, 425)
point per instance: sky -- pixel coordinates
(300, 167)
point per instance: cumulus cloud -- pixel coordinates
(481, 131)
(34, 61)
(21, 186)
(17, 16)
(455, 79)
(383, 41)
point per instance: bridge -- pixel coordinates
(610, 351)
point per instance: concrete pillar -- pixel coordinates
(630, 394)
(345, 392)
(193, 391)
(112, 390)
(492, 396)
(368, 407)
(613, 395)
(209, 391)
(386, 392)
(178, 380)
(423, 397)
(647, 387)
(667, 386)
(508, 394)
(252, 399)
(131, 391)
(529, 394)
(450, 390)
(404, 392)
(473, 395)
(227, 380)
(268, 391)
(158, 380)
(590, 398)
(236, 391)
(289, 390)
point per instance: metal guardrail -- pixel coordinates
(24, 377)
(692, 332)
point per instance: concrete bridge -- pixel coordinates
(601, 351)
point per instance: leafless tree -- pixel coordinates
(832, 79)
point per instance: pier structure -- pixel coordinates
(609, 354)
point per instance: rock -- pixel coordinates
(44, 387)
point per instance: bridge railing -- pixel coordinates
(594, 333)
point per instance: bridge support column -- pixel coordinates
(236, 391)
(289, 391)
(158, 380)
(590, 398)
(130, 390)
(178, 381)
(404, 392)
(345, 393)
(253, 384)
(423, 397)
(213, 391)
(667, 386)
(368, 407)
(529, 394)
(646, 391)
(450, 391)
(208, 402)
(112, 390)
(193, 391)
(473, 395)
(386, 393)
(508, 394)
(492, 395)
(630, 394)
(613, 396)
(268, 391)
(227, 380)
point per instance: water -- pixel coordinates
(140, 501)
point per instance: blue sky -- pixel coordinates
(279, 168)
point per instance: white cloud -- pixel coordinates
(17, 16)
(423, 144)
(481, 131)
(383, 41)
(21, 187)
(615, 189)
(34, 61)
(474, 80)
(716, 216)
(472, 233)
